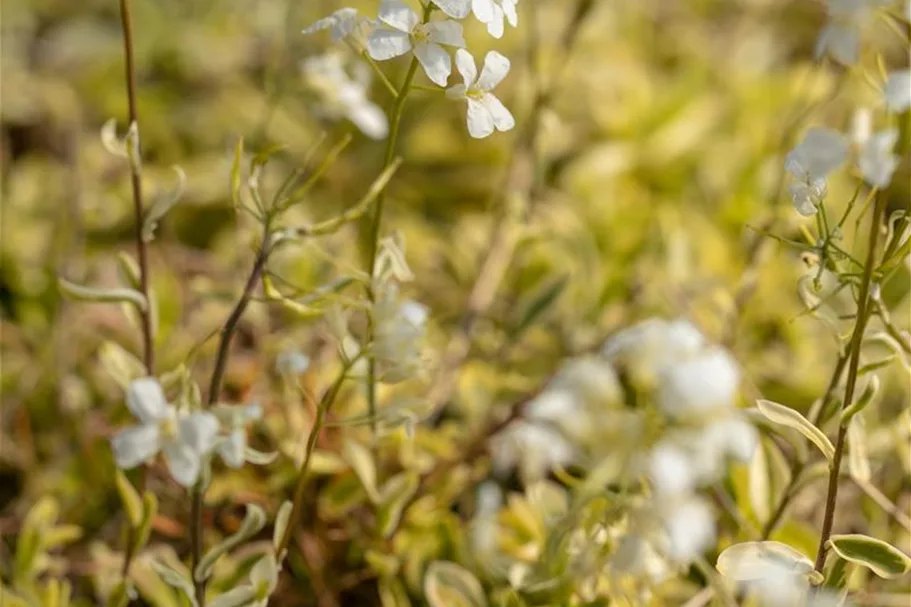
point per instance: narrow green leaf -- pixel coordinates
(121, 365)
(176, 579)
(162, 205)
(360, 459)
(448, 584)
(99, 295)
(238, 597)
(789, 418)
(836, 573)
(748, 561)
(540, 304)
(130, 499)
(878, 556)
(149, 510)
(254, 521)
(282, 519)
(129, 269)
(393, 497)
(866, 397)
(760, 491)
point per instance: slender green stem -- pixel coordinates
(321, 411)
(376, 223)
(218, 374)
(142, 254)
(863, 314)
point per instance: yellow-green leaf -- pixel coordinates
(130, 499)
(789, 418)
(881, 558)
(447, 584)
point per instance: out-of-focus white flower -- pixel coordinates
(292, 362)
(644, 350)
(840, 38)
(484, 526)
(233, 447)
(399, 327)
(492, 13)
(404, 32)
(690, 529)
(578, 398)
(897, 91)
(699, 386)
(637, 556)
(184, 438)
(486, 112)
(457, 9)
(536, 448)
(876, 160)
(810, 162)
(344, 97)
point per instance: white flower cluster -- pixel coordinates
(399, 31)
(661, 400)
(822, 151)
(187, 439)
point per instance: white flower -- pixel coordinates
(485, 111)
(344, 97)
(184, 438)
(493, 12)
(263, 581)
(699, 386)
(536, 448)
(840, 38)
(344, 24)
(637, 556)
(646, 348)
(876, 160)
(690, 529)
(897, 91)
(457, 9)
(398, 335)
(810, 162)
(405, 32)
(292, 362)
(233, 447)
(670, 470)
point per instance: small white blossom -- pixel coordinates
(399, 327)
(343, 96)
(840, 38)
(457, 9)
(292, 362)
(536, 448)
(645, 349)
(233, 447)
(810, 162)
(486, 112)
(344, 24)
(492, 13)
(690, 529)
(185, 438)
(699, 386)
(404, 32)
(897, 91)
(876, 159)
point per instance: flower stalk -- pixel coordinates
(864, 309)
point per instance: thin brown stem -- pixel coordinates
(863, 314)
(218, 374)
(298, 500)
(148, 341)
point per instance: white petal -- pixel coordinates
(496, 67)
(435, 61)
(459, 91)
(495, 26)
(134, 446)
(802, 197)
(876, 162)
(467, 67)
(821, 152)
(691, 530)
(840, 41)
(183, 463)
(457, 9)
(370, 119)
(480, 121)
(446, 32)
(509, 7)
(146, 400)
(396, 14)
(385, 44)
(670, 470)
(198, 431)
(232, 449)
(483, 10)
(502, 117)
(897, 91)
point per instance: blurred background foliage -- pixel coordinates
(660, 165)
